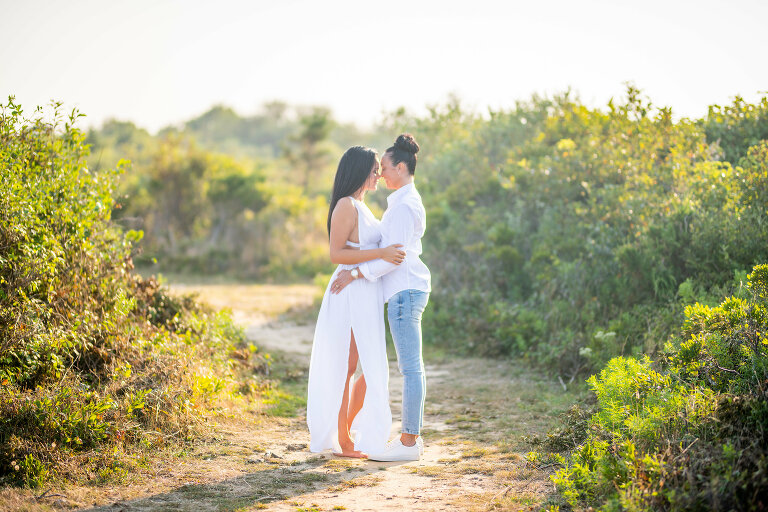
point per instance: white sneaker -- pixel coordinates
(420, 444)
(397, 451)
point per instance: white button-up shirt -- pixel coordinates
(404, 222)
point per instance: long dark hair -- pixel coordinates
(404, 150)
(354, 168)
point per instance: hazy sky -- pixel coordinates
(158, 62)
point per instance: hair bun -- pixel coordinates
(406, 143)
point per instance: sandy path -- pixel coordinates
(450, 475)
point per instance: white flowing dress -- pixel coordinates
(359, 308)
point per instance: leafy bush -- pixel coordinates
(689, 433)
(91, 356)
(736, 127)
(551, 222)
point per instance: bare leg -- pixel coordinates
(356, 401)
(345, 441)
(408, 439)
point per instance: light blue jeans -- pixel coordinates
(404, 311)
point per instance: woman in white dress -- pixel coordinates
(351, 419)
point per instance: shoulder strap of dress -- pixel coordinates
(354, 202)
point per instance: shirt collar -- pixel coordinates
(398, 195)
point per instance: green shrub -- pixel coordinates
(688, 434)
(91, 356)
(736, 127)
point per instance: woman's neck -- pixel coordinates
(360, 195)
(406, 181)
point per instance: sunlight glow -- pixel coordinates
(157, 62)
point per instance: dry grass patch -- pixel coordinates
(430, 471)
(24, 501)
(363, 481)
(463, 418)
(483, 467)
(477, 451)
(341, 465)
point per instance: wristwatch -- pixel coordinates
(354, 273)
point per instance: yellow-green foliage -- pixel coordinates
(91, 356)
(690, 433)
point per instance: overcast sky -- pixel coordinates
(159, 62)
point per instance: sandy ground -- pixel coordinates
(446, 478)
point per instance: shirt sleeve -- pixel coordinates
(397, 228)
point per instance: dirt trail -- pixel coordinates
(477, 414)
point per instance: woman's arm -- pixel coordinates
(343, 221)
(351, 256)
